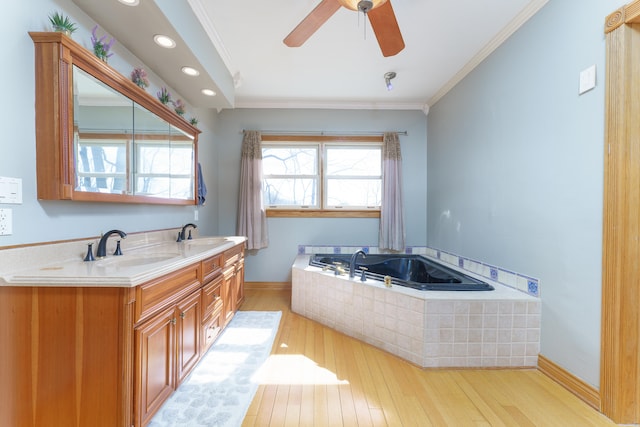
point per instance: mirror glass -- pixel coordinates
(164, 158)
(120, 147)
(103, 135)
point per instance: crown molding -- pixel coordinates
(201, 12)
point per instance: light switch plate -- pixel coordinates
(587, 79)
(10, 190)
(6, 219)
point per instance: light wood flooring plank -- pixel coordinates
(334, 380)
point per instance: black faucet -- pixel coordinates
(352, 264)
(184, 229)
(102, 245)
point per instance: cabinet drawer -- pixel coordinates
(211, 267)
(165, 290)
(211, 296)
(233, 255)
(211, 328)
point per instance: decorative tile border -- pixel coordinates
(521, 282)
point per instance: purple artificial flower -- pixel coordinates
(100, 48)
(179, 107)
(139, 77)
(164, 96)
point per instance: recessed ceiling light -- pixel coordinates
(190, 71)
(208, 92)
(130, 2)
(164, 41)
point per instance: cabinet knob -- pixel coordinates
(182, 315)
(173, 321)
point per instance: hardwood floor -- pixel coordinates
(319, 377)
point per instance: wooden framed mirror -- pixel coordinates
(101, 138)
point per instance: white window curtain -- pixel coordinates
(391, 213)
(252, 219)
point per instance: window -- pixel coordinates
(101, 165)
(163, 165)
(322, 174)
(164, 168)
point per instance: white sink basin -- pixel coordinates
(135, 260)
(206, 241)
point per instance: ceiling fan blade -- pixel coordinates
(385, 26)
(312, 22)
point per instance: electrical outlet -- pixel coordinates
(195, 214)
(5, 222)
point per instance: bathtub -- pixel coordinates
(412, 271)
(432, 329)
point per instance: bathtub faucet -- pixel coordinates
(352, 264)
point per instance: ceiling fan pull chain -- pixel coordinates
(365, 6)
(365, 24)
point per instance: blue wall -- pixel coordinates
(37, 221)
(515, 171)
(273, 264)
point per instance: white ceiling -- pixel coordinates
(340, 66)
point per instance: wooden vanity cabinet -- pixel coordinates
(110, 356)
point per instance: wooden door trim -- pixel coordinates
(620, 330)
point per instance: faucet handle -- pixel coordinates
(363, 276)
(118, 250)
(89, 256)
(179, 239)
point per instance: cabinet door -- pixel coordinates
(155, 364)
(189, 320)
(228, 293)
(211, 328)
(211, 296)
(239, 284)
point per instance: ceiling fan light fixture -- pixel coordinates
(388, 76)
(360, 5)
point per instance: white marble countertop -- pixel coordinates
(144, 258)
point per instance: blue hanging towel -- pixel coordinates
(202, 188)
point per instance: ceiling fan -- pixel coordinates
(380, 13)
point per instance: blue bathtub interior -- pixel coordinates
(413, 271)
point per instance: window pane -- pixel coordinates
(156, 186)
(290, 192)
(289, 161)
(101, 167)
(154, 159)
(354, 192)
(153, 186)
(354, 161)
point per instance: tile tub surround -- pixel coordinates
(434, 329)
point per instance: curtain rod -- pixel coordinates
(324, 133)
